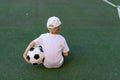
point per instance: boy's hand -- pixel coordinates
(26, 51)
(65, 54)
(25, 58)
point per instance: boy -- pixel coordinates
(54, 45)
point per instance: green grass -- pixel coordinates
(91, 28)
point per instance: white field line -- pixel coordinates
(118, 8)
(108, 2)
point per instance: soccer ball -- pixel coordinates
(35, 55)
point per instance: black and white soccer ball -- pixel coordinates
(35, 55)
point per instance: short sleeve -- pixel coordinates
(38, 41)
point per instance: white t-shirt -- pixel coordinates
(53, 47)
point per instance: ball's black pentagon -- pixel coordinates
(36, 56)
(32, 49)
(28, 57)
(35, 64)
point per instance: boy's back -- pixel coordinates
(53, 45)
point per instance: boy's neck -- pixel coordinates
(53, 33)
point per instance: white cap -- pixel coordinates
(53, 22)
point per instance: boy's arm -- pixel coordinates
(65, 54)
(32, 44)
